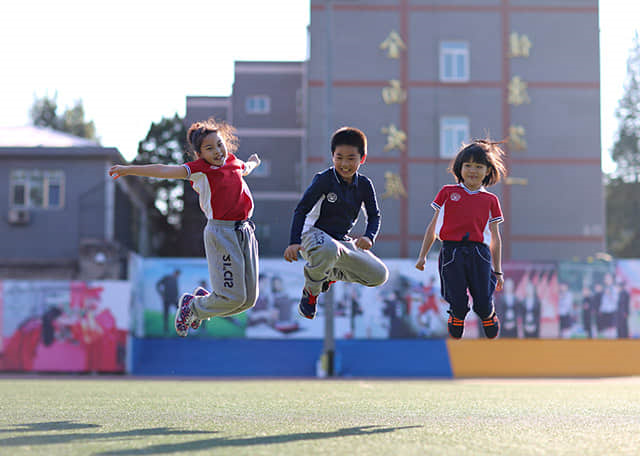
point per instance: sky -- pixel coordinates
(134, 62)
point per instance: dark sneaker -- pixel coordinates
(184, 315)
(491, 326)
(326, 285)
(307, 307)
(198, 292)
(456, 326)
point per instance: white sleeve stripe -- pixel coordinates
(496, 219)
(435, 206)
(188, 171)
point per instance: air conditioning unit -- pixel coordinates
(18, 216)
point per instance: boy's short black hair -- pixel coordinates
(349, 136)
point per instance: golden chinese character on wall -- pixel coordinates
(517, 181)
(393, 186)
(395, 138)
(518, 92)
(519, 45)
(516, 137)
(393, 44)
(394, 93)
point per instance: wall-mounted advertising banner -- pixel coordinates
(528, 304)
(627, 321)
(588, 300)
(539, 300)
(64, 326)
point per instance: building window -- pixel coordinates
(454, 61)
(454, 131)
(258, 104)
(264, 170)
(35, 188)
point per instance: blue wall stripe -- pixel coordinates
(393, 358)
(288, 358)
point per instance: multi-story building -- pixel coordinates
(267, 109)
(422, 76)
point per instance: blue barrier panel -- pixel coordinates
(225, 357)
(393, 358)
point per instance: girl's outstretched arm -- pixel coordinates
(159, 171)
(427, 242)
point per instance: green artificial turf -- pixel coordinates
(123, 416)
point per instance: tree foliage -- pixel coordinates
(622, 190)
(44, 113)
(165, 144)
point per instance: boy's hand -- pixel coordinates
(118, 170)
(420, 264)
(291, 252)
(499, 282)
(364, 243)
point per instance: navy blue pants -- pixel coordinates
(466, 266)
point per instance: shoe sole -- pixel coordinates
(198, 292)
(178, 311)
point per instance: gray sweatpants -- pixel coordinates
(232, 253)
(330, 259)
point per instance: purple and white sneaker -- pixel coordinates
(184, 315)
(195, 324)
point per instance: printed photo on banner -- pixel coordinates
(588, 302)
(528, 304)
(64, 326)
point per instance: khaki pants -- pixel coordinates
(330, 259)
(232, 255)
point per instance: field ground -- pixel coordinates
(138, 416)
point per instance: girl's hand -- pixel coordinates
(420, 264)
(118, 170)
(255, 159)
(364, 243)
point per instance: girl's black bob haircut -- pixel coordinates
(486, 152)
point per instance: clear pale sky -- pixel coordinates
(133, 62)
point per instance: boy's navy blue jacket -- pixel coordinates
(332, 205)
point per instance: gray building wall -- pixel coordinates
(98, 215)
(55, 233)
(546, 219)
(277, 136)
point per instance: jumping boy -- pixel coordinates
(323, 218)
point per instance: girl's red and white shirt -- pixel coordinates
(222, 191)
(463, 211)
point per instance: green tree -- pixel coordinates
(626, 149)
(622, 188)
(165, 143)
(44, 113)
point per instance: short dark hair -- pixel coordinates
(349, 136)
(486, 152)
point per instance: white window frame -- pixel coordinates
(49, 178)
(455, 53)
(257, 104)
(454, 131)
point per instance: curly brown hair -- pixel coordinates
(199, 130)
(486, 152)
